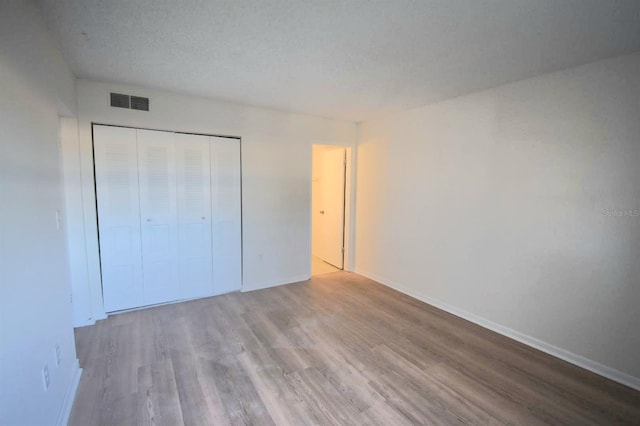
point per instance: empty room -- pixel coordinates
(319, 212)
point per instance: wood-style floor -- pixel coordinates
(339, 349)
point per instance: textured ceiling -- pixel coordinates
(348, 59)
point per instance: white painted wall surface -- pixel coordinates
(35, 308)
(276, 177)
(498, 206)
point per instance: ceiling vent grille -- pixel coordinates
(119, 100)
(139, 103)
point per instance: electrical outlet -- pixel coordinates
(45, 377)
(58, 356)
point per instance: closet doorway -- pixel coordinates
(169, 215)
(328, 206)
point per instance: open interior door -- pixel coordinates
(328, 215)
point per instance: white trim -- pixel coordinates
(85, 323)
(268, 284)
(70, 395)
(90, 321)
(580, 361)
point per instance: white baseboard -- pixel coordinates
(90, 321)
(70, 395)
(580, 361)
(85, 323)
(269, 284)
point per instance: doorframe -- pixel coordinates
(348, 262)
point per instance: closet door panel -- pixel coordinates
(116, 172)
(226, 213)
(194, 215)
(158, 212)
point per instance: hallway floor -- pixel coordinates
(319, 266)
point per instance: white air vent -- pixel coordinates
(119, 100)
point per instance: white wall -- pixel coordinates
(497, 206)
(276, 179)
(35, 309)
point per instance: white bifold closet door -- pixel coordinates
(194, 215)
(159, 214)
(169, 215)
(116, 172)
(226, 211)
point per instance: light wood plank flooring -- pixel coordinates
(339, 349)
